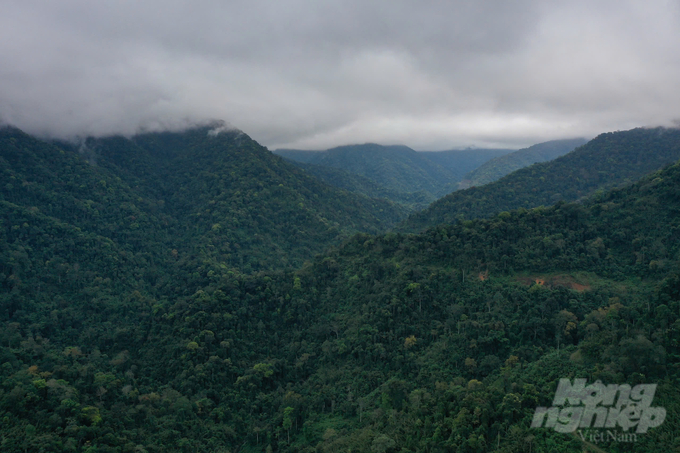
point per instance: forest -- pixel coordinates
(397, 173)
(609, 160)
(500, 166)
(194, 292)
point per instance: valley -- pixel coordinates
(191, 291)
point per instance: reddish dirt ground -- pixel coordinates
(566, 281)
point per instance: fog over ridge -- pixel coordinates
(313, 75)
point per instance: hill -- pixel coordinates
(500, 166)
(251, 205)
(462, 161)
(397, 168)
(445, 340)
(355, 183)
(298, 155)
(610, 160)
(198, 193)
(397, 173)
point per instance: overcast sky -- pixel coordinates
(315, 74)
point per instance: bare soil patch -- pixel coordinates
(555, 281)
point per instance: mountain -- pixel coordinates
(397, 170)
(610, 160)
(462, 161)
(221, 197)
(446, 340)
(355, 183)
(500, 166)
(298, 155)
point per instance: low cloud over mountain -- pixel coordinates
(303, 74)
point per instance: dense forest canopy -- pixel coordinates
(355, 183)
(609, 160)
(397, 173)
(149, 303)
(462, 161)
(500, 166)
(221, 194)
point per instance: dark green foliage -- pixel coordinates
(221, 195)
(462, 161)
(352, 182)
(433, 342)
(500, 166)
(398, 170)
(610, 160)
(396, 173)
(298, 155)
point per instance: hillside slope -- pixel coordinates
(298, 155)
(462, 161)
(500, 166)
(446, 340)
(217, 197)
(398, 171)
(398, 168)
(236, 193)
(355, 183)
(610, 160)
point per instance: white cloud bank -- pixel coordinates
(316, 74)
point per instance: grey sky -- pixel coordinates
(315, 74)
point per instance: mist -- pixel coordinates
(312, 75)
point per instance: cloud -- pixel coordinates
(316, 74)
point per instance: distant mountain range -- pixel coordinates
(397, 168)
(610, 160)
(503, 165)
(397, 172)
(358, 184)
(462, 161)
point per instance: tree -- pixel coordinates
(288, 420)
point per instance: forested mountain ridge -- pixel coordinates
(64, 185)
(609, 160)
(195, 192)
(355, 183)
(298, 155)
(397, 167)
(263, 198)
(500, 166)
(397, 173)
(462, 161)
(442, 341)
